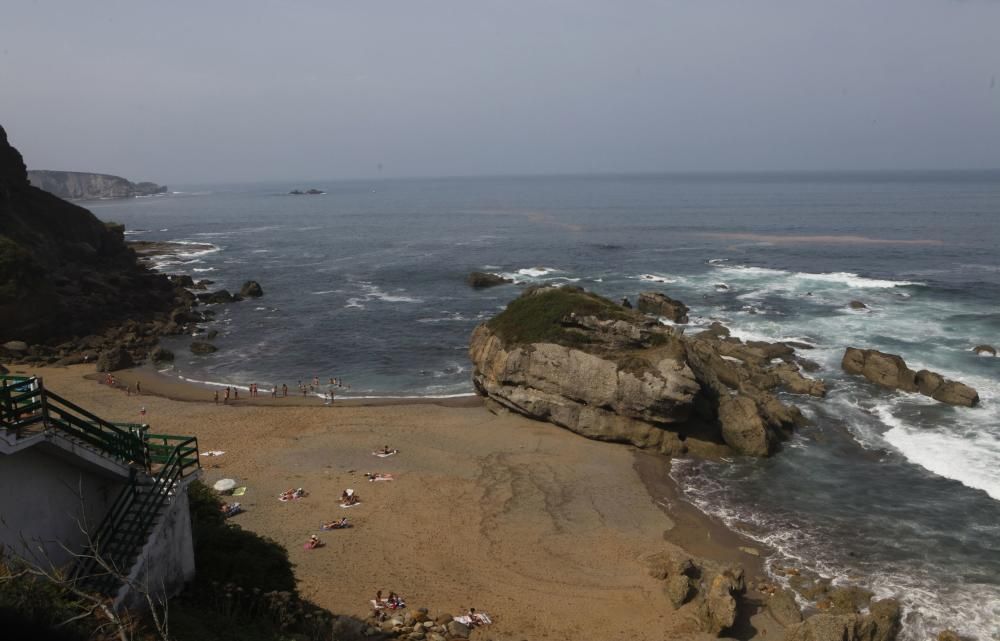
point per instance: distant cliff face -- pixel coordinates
(77, 185)
(63, 272)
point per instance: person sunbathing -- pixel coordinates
(230, 509)
(336, 525)
(313, 542)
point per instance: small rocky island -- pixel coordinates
(612, 373)
(79, 185)
(308, 192)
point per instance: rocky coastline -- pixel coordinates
(79, 185)
(72, 290)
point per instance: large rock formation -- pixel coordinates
(64, 274)
(577, 360)
(890, 371)
(662, 305)
(78, 185)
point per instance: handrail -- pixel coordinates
(34, 400)
(126, 527)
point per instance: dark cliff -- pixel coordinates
(63, 272)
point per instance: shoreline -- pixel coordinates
(519, 518)
(155, 383)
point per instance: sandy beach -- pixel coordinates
(542, 529)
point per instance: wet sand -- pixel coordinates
(544, 530)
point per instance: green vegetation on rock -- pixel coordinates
(536, 317)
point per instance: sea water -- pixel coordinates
(366, 284)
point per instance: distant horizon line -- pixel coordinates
(588, 174)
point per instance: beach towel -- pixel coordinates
(381, 454)
(381, 477)
(240, 491)
(322, 527)
(213, 453)
(345, 505)
(481, 619)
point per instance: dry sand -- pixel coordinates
(544, 530)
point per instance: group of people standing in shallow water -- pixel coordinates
(233, 393)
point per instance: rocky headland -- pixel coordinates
(72, 290)
(611, 373)
(79, 185)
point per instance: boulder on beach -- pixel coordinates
(114, 359)
(660, 304)
(481, 280)
(890, 371)
(783, 608)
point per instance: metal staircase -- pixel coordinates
(159, 465)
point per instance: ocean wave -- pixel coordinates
(970, 609)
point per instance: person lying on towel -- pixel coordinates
(313, 543)
(336, 525)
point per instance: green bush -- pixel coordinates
(226, 553)
(536, 316)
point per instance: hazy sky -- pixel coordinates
(248, 90)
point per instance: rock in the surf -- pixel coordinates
(201, 347)
(481, 280)
(985, 349)
(662, 305)
(856, 304)
(582, 362)
(882, 623)
(886, 370)
(890, 371)
(251, 289)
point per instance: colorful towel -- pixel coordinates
(384, 455)
(240, 491)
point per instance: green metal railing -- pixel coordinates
(128, 524)
(25, 402)
(126, 527)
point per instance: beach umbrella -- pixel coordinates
(224, 485)
(350, 492)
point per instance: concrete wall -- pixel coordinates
(40, 500)
(167, 561)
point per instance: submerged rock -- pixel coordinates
(856, 304)
(985, 349)
(890, 371)
(201, 347)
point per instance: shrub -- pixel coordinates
(536, 316)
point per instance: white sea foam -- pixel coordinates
(204, 269)
(657, 278)
(536, 272)
(854, 280)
